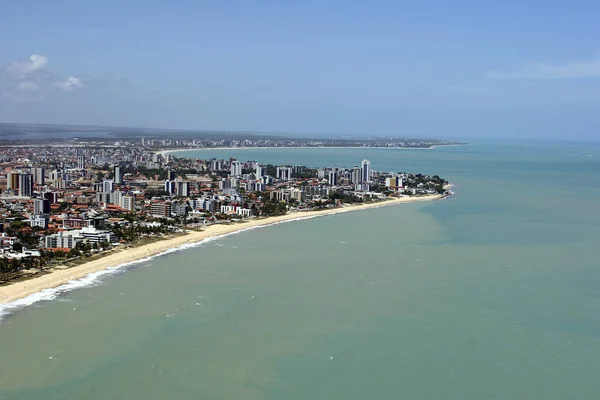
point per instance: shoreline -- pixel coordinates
(177, 150)
(58, 278)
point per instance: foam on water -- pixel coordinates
(94, 278)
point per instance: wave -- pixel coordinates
(94, 278)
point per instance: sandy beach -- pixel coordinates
(58, 277)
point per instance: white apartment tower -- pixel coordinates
(236, 168)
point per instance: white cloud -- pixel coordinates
(33, 80)
(27, 86)
(544, 71)
(69, 85)
(24, 68)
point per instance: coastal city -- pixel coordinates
(62, 203)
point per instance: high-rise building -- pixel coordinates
(52, 197)
(298, 169)
(356, 175)
(39, 175)
(161, 209)
(118, 175)
(108, 186)
(25, 185)
(41, 206)
(183, 188)
(128, 203)
(284, 173)
(259, 172)
(171, 175)
(81, 162)
(236, 168)
(216, 165)
(170, 186)
(13, 180)
(391, 182)
(366, 171)
(224, 184)
(333, 177)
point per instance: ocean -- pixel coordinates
(492, 294)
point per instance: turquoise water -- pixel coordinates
(492, 294)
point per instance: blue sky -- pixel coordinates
(418, 68)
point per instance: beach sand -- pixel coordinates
(58, 277)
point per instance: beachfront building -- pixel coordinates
(61, 240)
(366, 171)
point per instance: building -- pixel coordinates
(298, 169)
(236, 168)
(118, 175)
(108, 186)
(170, 186)
(75, 223)
(160, 209)
(183, 188)
(41, 206)
(333, 177)
(394, 182)
(128, 203)
(61, 240)
(259, 171)
(180, 209)
(39, 175)
(39, 220)
(224, 184)
(115, 198)
(284, 173)
(81, 162)
(13, 181)
(25, 185)
(51, 196)
(94, 235)
(356, 175)
(243, 212)
(171, 175)
(366, 171)
(216, 165)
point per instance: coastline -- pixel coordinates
(59, 278)
(177, 150)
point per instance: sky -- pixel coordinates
(396, 68)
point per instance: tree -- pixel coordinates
(73, 253)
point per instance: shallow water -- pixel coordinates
(491, 294)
